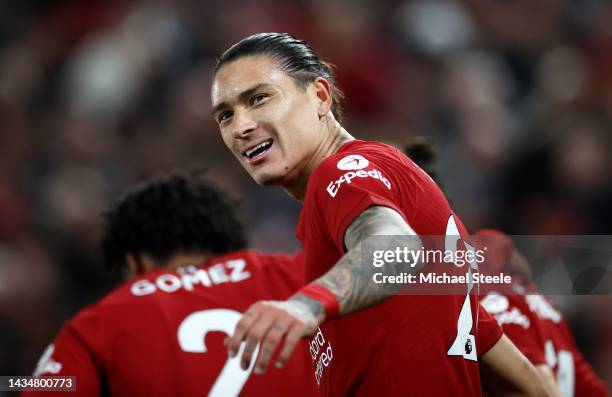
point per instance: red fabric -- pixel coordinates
(323, 295)
(131, 344)
(405, 338)
(489, 331)
(545, 326)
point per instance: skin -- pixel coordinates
(506, 371)
(253, 101)
(139, 264)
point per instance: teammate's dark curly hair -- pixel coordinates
(423, 152)
(170, 214)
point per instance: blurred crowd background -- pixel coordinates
(97, 95)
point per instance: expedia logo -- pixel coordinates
(334, 186)
(353, 162)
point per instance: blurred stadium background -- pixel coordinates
(97, 95)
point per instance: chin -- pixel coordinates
(267, 178)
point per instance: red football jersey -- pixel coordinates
(406, 345)
(162, 334)
(537, 328)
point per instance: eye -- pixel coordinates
(258, 98)
(224, 116)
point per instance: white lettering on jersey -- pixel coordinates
(353, 162)
(499, 306)
(194, 277)
(232, 271)
(323, 360)
(237, 267)
(46, 364)
(495, 303)
(513, 316)
(334, 186)
(542, 308)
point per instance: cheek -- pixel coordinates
(227, 138)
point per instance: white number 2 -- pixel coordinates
(464, 343)
(191, 334)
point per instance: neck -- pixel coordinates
(181, 260)
(334, 138)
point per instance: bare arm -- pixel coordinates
(506, 371)
(548, 378)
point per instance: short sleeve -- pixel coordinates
(344, 186)
(489, 331)
(68, 355)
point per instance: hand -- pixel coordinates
(267, 322)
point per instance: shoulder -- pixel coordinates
(507, 308)
(278, 267)
(356, 161)
(357, 155)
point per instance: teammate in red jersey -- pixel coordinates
(161, 333)
(534, 324)
(528, 319)
(278, 111)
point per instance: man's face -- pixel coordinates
(268, 122)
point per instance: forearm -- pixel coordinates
(506, 371)
(350, 280)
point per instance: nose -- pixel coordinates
(243, 124)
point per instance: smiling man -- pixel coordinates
(277, 106)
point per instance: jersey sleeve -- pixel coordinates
(71, 355)
(489, 331)
(346, 185)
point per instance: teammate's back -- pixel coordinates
(533, 323)
(162, 333)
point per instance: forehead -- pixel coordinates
(245, 72)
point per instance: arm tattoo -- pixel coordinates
(313, 305)
(349, 279)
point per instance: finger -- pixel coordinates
(242, 327)
(270, 343)
(294, 335)
(257, 332)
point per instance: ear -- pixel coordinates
(322, 90)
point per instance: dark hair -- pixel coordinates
(423, 152)
(168, 215)
(295, 57)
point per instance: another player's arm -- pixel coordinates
(349, 281)
(548, 378)
(506, 371)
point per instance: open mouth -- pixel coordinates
(259, 150)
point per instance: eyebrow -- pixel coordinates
(242, 96)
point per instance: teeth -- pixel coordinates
(261, 145)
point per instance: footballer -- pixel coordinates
(278, 110)
(190, 278)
